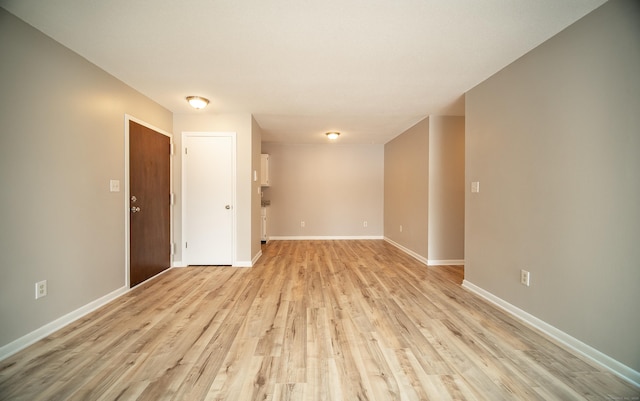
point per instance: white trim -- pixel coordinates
(178, 263)
(445, 262)
(454, 262)
(49, 328)
(127, 190)
(235, 263)
(408, 251)
(589, 352)
(255, 258)
(322, 237)
(233, 136)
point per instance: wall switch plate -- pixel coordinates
(525, 277)
(400, 227)
(41, 289)
(302, 224)
(114, 185)
(475, 186)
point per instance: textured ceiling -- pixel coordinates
(370, 69)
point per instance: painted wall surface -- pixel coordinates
(424, 189)
(446, 188)
(554, 140)
(406, 189)
(256, 219)
(241, 124)
(62, 125)
(333, 188)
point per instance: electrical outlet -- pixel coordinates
(365, 224)
(302, 224)
(41, 289)
(525, 277)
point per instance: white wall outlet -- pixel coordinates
(41, 289)
(365, 224)
(302, 224)
(525, 277)
(475, 186)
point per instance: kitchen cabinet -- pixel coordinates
(264, 170)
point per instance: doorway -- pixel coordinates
(208, 185)
(149, 201)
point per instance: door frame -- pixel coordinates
(127, 194)
(183, 142)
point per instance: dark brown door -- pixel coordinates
(149, 214)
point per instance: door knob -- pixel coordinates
(228, 207)
(135, 209)
(133, 199)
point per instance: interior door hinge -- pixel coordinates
(186, 245)
(185, 151)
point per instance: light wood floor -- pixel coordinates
(313, 320)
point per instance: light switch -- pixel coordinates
(114, 185)
(475, 186)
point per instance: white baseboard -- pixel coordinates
(445, 262)
(255, 258)
(589, 352)
(242, 263)
(428, 262)
(323, 237)
(49, 328)
(407, 251)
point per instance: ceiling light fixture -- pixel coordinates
(332, 135)
(197, 102)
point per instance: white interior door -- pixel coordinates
(208, 196)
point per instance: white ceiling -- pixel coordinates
(368, 68)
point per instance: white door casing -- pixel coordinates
(208, 195)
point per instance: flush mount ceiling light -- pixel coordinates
(332, 135)
(197, 102)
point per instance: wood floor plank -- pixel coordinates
(312, 320)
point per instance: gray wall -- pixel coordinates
(446, 189)
(61, 141)
(333, 188)
(554, 140)
(406, 189)
(256, 218)
(424, 190)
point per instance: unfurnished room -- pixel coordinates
(336, 200)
